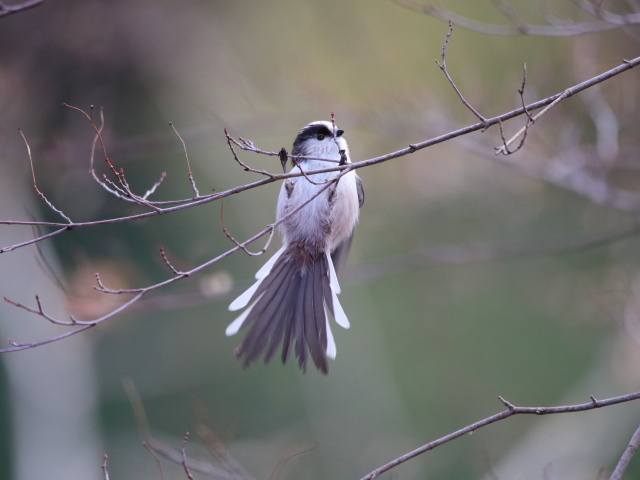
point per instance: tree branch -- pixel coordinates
(161, 208)
(561, 29)
(510, 411)
(627, 455)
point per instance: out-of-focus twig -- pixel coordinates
(6, 10)
(558, 29)
(627, 455)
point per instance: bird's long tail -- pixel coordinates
(287, 306)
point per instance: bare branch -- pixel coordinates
(183, 456)
(505, 148)
(509, 412)
(155, 457)
(140, 292)
(237, 243)
(201, 467)
(248, 145)
(279, 468)
(168, 263)
(563, 29)
(105, 470)
(627, 455)
(186, 156)
(175, 205)
(123, 191)
(158, 183)
(217, 448)
(443, 67)
(35, 185)
(628, 202)
(40, 311)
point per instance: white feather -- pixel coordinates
(234, 326)
(333, 278)
(340, 317)
(266, 268)
(244, 298)
(331, 344)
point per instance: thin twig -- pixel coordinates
(247, 145)
(119, 174)
(186, 156)
(627, 455)
(246, 167)
(237, 243)
(35, 185)
(157, 184)
(105, 470)
(306, 175)
(184, 456)
(530, 120)
(443, 66)
(155, 457)
(504, 149)
(198, 466)
(169, 264)
(40, 311)
(217, 448)
(566, 29)
(282, 463)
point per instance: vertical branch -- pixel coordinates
(443, 66)
(105, 470)
(186, 156)
(183, 456)
(35, 185)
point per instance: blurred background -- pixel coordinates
(437, 332)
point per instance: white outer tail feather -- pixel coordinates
(243, 299)
(234, 326)
(266, 268)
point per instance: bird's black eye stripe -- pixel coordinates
(315, 131)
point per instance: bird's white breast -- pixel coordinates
(322, 223)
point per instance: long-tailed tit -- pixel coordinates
(294, 289)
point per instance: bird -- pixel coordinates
(287, 305)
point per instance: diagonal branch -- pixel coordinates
(626, 202)
(627, 455)
(139, 293)
(510, 411)
(629, 202)
(565, 29)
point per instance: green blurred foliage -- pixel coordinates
(429, 349)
